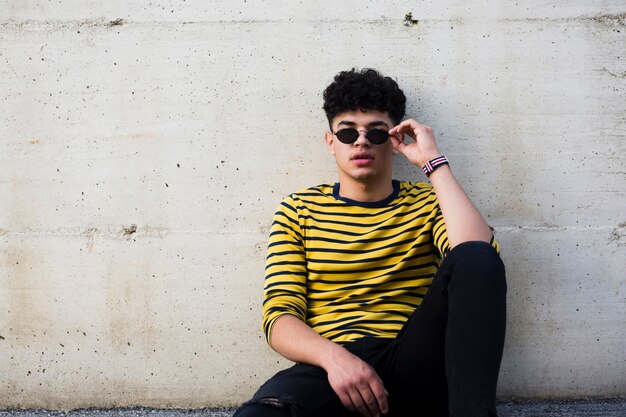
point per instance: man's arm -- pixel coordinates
(355, 382)
(284, 313)
(463, 221)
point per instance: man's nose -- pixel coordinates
(362, 139)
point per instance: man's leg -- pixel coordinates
(300, 391)
(446, 359)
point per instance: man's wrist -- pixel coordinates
(431, 165)
(331, 351)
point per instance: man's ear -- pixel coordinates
(330, 138)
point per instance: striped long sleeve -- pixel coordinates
(285, 289)
(351, 269)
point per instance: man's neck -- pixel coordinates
(365, 192)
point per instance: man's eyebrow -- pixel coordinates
(378, 123)
(346, 123)
(370, 124)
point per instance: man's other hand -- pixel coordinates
(356, 383)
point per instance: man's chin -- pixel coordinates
(364, 176)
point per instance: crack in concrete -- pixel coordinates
(622, 75)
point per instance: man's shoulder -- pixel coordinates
(317, 193)
(322, 190)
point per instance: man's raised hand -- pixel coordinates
(422, 149)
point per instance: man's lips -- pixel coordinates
(362, 156)
(362, 159)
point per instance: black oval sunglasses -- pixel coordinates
(349, 135)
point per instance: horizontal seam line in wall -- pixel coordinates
(554, 228)
(121, 233)
(14, 23)
(158, 232)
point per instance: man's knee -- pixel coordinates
(266, 407)
(476, 253)
(480, 261)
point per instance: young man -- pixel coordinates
(388, 295)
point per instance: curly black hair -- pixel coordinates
(364, 90)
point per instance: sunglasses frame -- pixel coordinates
(354, 138)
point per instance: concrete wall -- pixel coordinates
(145, 145)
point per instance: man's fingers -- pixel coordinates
(346, 401)
(373, 404)
(380, 395)
(413, 129)
(406, 126)
(399, 137)
(374, 399)
(363, 400)
(360, 404)
(368, 400)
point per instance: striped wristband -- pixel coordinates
(433, 164)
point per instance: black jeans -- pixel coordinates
(444, 362)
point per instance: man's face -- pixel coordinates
(362, 161)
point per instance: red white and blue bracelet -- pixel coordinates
(433, 164)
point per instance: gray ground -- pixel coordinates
(570, 408)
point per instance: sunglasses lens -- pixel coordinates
(377, 136)
(349, 135)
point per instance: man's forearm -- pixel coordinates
(463, 220)
(296, 341)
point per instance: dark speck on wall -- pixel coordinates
(116, 22)
(409, 21)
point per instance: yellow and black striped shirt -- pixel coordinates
(351, 269)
